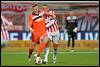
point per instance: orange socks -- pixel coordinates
(41, 47)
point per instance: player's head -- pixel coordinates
(45, 7)
(35, 8)
(71, 13)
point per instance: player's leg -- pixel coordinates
(46, 52)
(69, 41)
(31, 48)
(54, 52)
(55, 45)
(73, 41)
(69, 37)
(42, 45)
(45, 61)
(44, 39)
(47, 48)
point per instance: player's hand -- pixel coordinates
(41, 14)
(31, 30)
(75, 29)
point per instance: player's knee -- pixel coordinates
(56, 42)
(33, 44)
(45, 39)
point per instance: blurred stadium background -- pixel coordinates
(88, 24)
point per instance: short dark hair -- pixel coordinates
(34, 5)
(45, 5)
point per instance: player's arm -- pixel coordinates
(6, 21)
(66, 20)
(50, 23)
(47, 13)
(75, 29)
(50, 14)
(30, 23)
(76, 23)
(54, 15)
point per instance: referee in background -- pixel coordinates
(71, 29)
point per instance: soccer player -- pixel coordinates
(4, 31)
(36, 25)
(71, 28)
(52, 31)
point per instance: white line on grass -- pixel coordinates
(50, 52)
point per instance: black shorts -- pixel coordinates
(70, 33)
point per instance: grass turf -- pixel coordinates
(84, 58)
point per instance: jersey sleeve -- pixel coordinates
(66, 22)
(76, 23)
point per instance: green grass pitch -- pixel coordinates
(65, 58)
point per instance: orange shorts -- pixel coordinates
(37, 35)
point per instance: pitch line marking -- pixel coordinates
(50, 52)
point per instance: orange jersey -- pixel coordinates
(37, 23)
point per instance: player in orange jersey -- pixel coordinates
(36, 25)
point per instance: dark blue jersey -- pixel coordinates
(71, 23)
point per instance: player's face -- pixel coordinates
(45, 8)
(35, 9)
